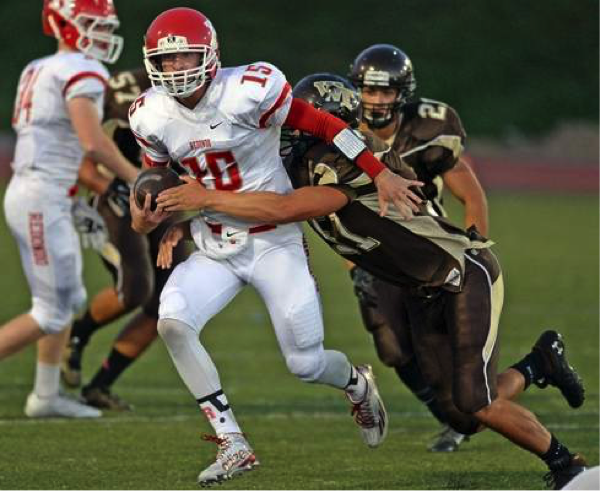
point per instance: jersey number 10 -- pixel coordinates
(233, 180)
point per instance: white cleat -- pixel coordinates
(59, 406)
(233, 457)
(370, 414)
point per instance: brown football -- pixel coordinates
(152, 182)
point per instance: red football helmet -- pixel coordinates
(181, 30)
(85, 25)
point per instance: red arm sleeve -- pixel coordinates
(304, 117)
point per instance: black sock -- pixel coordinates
(83, 329)
(557, 456)
(411, 376)
(110, 370)
(531, 367)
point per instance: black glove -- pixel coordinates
(117, 197)
(363, 286)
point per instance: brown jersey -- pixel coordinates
(427, 251)
(124, 88)
(430, 138)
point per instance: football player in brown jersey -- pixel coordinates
(128, 256)
(451, 279)
(430, 135)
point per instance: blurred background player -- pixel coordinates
(57, 117)
(129, 257)
(429, 135)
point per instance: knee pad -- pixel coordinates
(174, 305)
(52, 319)
(175, 333)
(307, 364)
(306, 324)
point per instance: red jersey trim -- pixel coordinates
(76, 78)
(148, 162)
(278, 103)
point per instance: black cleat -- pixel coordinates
(557, 371)
(558, 478)
(102, 398)
(447, 440)
(71, 364)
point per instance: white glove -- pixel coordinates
(90, 224)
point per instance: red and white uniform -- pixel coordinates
(45, 165)
(230, 141)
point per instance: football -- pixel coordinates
(152, 182)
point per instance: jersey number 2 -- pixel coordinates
(214, 164)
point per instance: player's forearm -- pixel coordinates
(266, 207)
(476, 213)
(104, 150)
(272, 208)
(91, 178)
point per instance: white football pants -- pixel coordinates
(275, 263)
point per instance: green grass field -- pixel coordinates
(303, 434)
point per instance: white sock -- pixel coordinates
(356, 387)
(47, 380)
(216, 409)
(199, 374)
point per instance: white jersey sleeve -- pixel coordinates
(86, 80)
(267, 95)
(145, 115)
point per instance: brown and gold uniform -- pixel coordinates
(133, 268)
(450, 282)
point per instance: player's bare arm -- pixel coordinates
(267, 207)
(96, 145)
(464, 185)
(144, 220)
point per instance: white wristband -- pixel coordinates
(349, 143)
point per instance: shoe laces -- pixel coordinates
(363, 413)
(225, 456)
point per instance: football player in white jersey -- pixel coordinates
(57, 117)
(223, 125)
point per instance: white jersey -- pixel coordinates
(230, 140)
(47, 145)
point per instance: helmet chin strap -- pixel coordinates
(54, 28)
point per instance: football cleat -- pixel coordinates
(234, 457)
(59, 406)
(102, 398)
(557, 371)
(558, 478)
(447, 440)
(70, 369)
(370, 414)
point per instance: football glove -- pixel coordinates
(363, 286)
(89, 224)
(117, 197)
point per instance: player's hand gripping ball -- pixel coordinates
(152, 182)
